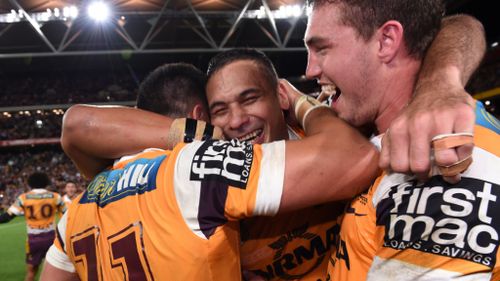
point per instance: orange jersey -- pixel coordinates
(405, 230)
(291, 246)
(40, 207)
(171, 215)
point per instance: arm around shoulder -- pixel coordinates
(92, 136)
(335, 162)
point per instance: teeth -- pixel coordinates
(329, 89)
(251, 136)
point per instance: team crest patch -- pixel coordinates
(225, 161)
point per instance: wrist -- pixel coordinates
(449, 75)
(304, 106)
(186, 130)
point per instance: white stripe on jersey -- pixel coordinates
(59, 259)
(61, 228)
(271, 179)
(392, 269)
(187, 192)
(54, 256)
(270, 184)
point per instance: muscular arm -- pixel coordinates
(334, 162)
(440, 104)
(93, 136)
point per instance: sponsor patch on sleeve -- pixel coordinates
(225, 161)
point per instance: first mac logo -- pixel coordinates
(458, 221)
(225, 161)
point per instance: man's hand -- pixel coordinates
(406, 146)
(440, 104)
(292, 95)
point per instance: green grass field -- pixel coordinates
(12, 250)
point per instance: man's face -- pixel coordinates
(338, 55)
(70, 189)
(244, 105)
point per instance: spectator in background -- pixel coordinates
(70, 192)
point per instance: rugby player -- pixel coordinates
(403, 228)
(40, 207)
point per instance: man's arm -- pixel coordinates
(334, 162)
(440, 104)
(52, 273)
(6, 217)
(94, 136)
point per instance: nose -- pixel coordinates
(313, 70)
(238, 117)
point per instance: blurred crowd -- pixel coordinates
(64, 88)
(31, 124)
(17, 165)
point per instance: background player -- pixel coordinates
(40, 207)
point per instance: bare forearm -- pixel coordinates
(333, 163)
(91, 136)
(456, 51)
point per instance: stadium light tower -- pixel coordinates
(98, 11)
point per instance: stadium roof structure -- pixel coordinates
(47, 28)
(31, 28)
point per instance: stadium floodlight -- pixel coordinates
(98, 11)
(70, 12)
(73, 12)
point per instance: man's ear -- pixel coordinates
(199, 113)
(283, 97)
(391, 40)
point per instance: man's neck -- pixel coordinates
(397, 94)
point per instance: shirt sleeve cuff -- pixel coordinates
(59, 259)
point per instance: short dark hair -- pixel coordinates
(421, 19)
(38, 180)
(264, 63)
(173, 90)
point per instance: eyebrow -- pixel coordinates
(215, 104)
(240, 95)
(313, 41)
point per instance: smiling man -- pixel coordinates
(403, 228)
